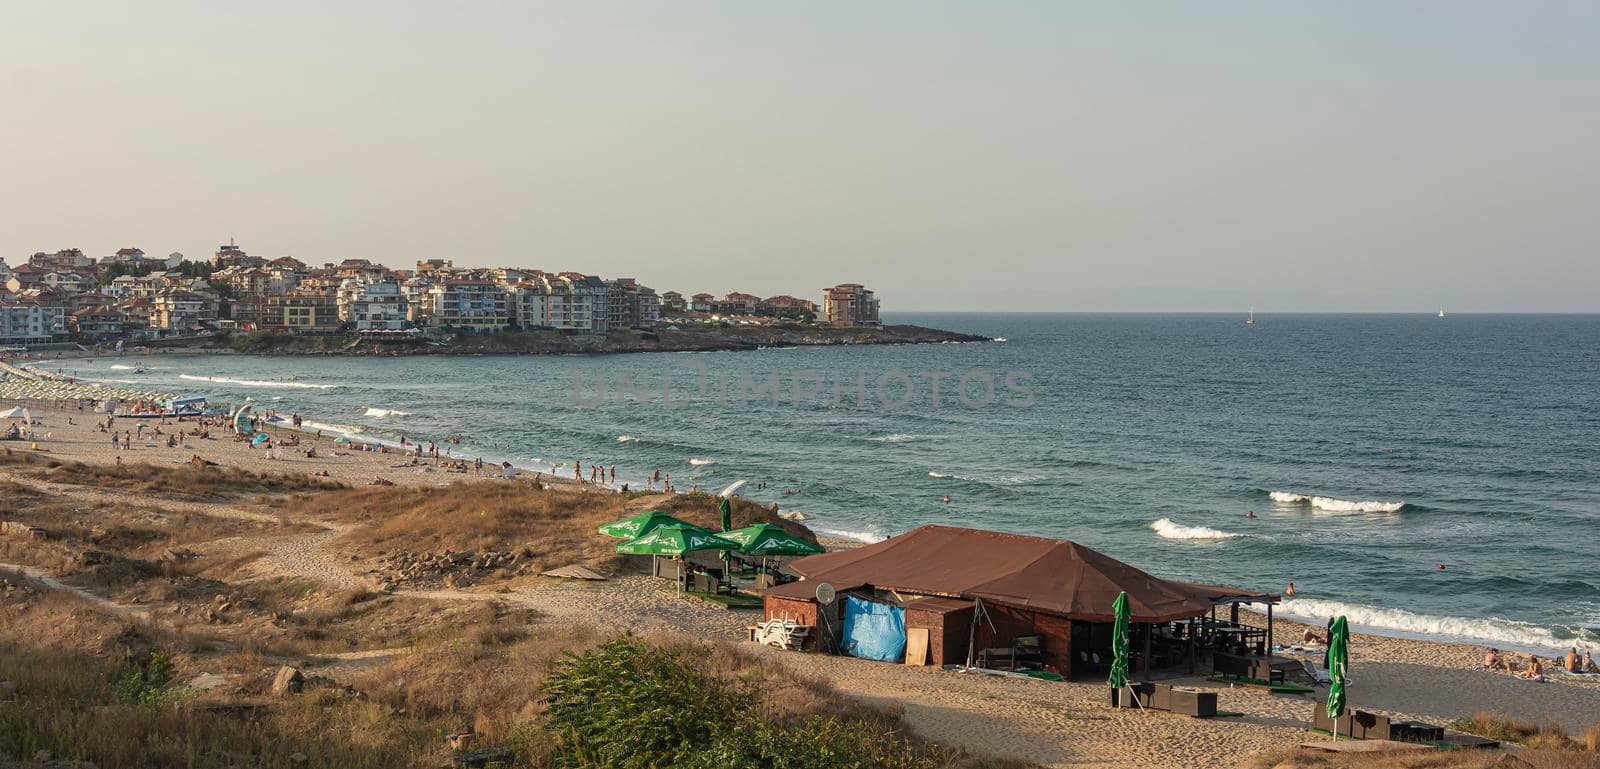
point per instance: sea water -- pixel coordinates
(1373, 449)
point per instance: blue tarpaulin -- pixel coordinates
(874, 631)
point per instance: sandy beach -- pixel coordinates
(1064, 724)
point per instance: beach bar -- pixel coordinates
(995, 600)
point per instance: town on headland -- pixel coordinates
(239, 301)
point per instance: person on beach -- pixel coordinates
(1311, 636)
(1493, 661)
(1572, 663)
(1588, 664)
(510, 472)
(477, 465)
(1289, 591)
(1535, 671)
(613, 473)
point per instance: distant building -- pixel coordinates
(850, 304)
(630, 305)
(96, 323)
(179, 312)
(783, 306)
(702, 303)
(673, 302)
(530, 303)
(471, 305)
(373, 306)
(428, 267)
(300, 313)
(25, 322)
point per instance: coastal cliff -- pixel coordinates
(574, 343)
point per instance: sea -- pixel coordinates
(1424, 476)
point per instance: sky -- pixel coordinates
(1040, 156)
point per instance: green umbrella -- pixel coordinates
(675, 539)
(765, 539)
(1119, 643)
(726, 508)
(1338, 666)
(638, 525)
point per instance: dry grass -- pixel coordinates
(183, 482)
(554, 527)
(1429, 759)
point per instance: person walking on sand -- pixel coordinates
(613, 473)
(477, 466)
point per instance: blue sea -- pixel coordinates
(1372, 449)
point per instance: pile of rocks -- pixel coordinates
(450, 568)
(15, 590)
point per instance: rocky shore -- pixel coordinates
(665, 339)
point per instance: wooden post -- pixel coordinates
(1269, 629)
(1149, 631)
(1191, 646)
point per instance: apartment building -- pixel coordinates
(850, 304)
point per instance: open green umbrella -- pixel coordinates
(1338, 666)
(675, 539)
(765, 539)
(1119, 643)
(638, 525)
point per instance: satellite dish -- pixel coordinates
(825, 593)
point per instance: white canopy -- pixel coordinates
(15, 412)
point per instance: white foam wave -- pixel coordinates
(1169, 530)
(1485, 631)
(350, 430)
(997, 479)
(1334, 505)
(257, 382)
(698, 462)
(381, 413)
(120, 367)
(865, 537)
(627, 439)
(893, 438)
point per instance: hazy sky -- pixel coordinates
(961, 156)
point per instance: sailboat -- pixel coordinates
(1441, 312)
(1252, 319)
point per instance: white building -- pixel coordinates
(31, 323)
(373, 306)
(530, 305)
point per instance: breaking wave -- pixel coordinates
(257, 382)
(1491, 630)
(1169, 530)
(381, 413)
(627, 439)
(1333, 505)
(893, 438)
(120, 367)
(698, 462)
(865, 537)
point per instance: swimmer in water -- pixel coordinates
(1250, 514)
(947, 499)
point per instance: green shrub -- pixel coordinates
(143, 682)
(631, 705)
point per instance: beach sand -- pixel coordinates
(1048, 723)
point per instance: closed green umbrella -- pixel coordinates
(726, 508)
(1338, 666)
(1119, 643)
(638, 525)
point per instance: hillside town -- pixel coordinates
(130, 296)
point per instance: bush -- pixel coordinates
(143, 682)
(632, 705)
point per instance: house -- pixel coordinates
(849, 304)
(736, 303)
(95, 323)
(784, 306)
(702, 303)
(429, 267)
(125, 256)
(5, 272)
(994, 589)
(572, 303)
(630, 305)
(231, 255)
(471, 305)
(26, 276)
(673, 302)
(287, 263)
(90, 299)
(300, 313)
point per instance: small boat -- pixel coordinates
(1441, 312)
(1251, 321)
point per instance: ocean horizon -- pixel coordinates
(1425, 476)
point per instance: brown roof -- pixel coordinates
(1048, 575)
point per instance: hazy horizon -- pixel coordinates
(1138, 158)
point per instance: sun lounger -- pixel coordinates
(780, 633)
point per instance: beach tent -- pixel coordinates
(259, 439)
(15, 412)
(341, 439)
(241, 420)
(638, 525)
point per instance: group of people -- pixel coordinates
(1534, 671)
